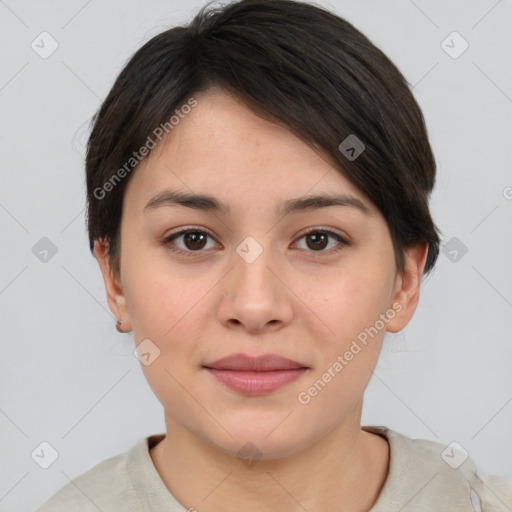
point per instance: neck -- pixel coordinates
(345, 470)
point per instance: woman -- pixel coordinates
(258, 186)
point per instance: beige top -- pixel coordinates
(420, 479)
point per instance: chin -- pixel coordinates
(260, 437)
(259, 447)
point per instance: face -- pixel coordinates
(314, 284)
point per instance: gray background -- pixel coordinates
(68, 378)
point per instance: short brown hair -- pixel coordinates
(295, 64)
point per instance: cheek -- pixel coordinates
(346, 358)
(168, 313)
(159, 297)
(351, 301)
(351, 305)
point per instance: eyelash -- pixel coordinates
(342, 241)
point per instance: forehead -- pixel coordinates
(221, 147)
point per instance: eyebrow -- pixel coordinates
(205, 202)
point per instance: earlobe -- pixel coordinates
(113, 287)
(407, 287)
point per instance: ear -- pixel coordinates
(407, 287)
(113, 286)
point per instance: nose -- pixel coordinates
(255, 297)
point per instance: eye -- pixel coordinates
(318, 239)
(193, 240)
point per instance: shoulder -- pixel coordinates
(427, 475)
(106, 486)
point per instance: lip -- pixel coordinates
(264, 363)
(255, 376)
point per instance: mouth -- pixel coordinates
(255, 376)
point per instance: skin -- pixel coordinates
(293, 300)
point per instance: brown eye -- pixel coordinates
(191, 240)
(318, 239)
(194, 240)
